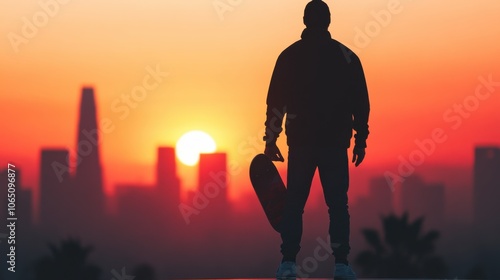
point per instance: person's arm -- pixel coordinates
(275, 110)
(361, 105)
(360, 112)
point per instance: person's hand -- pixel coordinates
(273, 152)
(358, 154)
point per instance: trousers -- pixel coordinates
(332, 165)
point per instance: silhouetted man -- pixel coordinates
(320, 85)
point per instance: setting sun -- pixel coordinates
(191, 144)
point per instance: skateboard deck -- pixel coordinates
(269, 187)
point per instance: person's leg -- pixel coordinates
(301, 168)
(334, 176)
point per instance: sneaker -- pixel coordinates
(287, 271)
(343, 272)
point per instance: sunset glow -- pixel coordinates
(161, 68)
(191, 144)
(131, 126)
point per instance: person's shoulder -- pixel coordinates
(291, 48)
(345, 49)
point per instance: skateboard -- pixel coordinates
(269, 187)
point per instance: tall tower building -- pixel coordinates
(168, 192)
(487, 189)
(55, 184)
(421, 199)
(381, 195)
(24, 198)
(212, 183)
(3, 196)
(166, 176)
(367, 211)
(88, 177)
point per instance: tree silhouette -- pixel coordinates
(477, 272)
(404, 252)
(144, 272)
(67, 262)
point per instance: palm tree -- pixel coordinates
(404, 252)
(67, 262)
(144, 272)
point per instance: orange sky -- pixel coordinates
(420, 59)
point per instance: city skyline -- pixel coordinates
(62, 168)
(68, 204)
(106, 90)
(55, 166)
(156, 81)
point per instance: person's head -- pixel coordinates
(317, 15)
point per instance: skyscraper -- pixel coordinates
(3, 196)
(486, 207)
(25, 206)
(54, 187)
(487, 189)
(212, 183)
(381, 196)
(421, 199)
(168, 192)
(88, 177)
(166, 176)
(136, 208)
(24, 199)
(367, 210)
